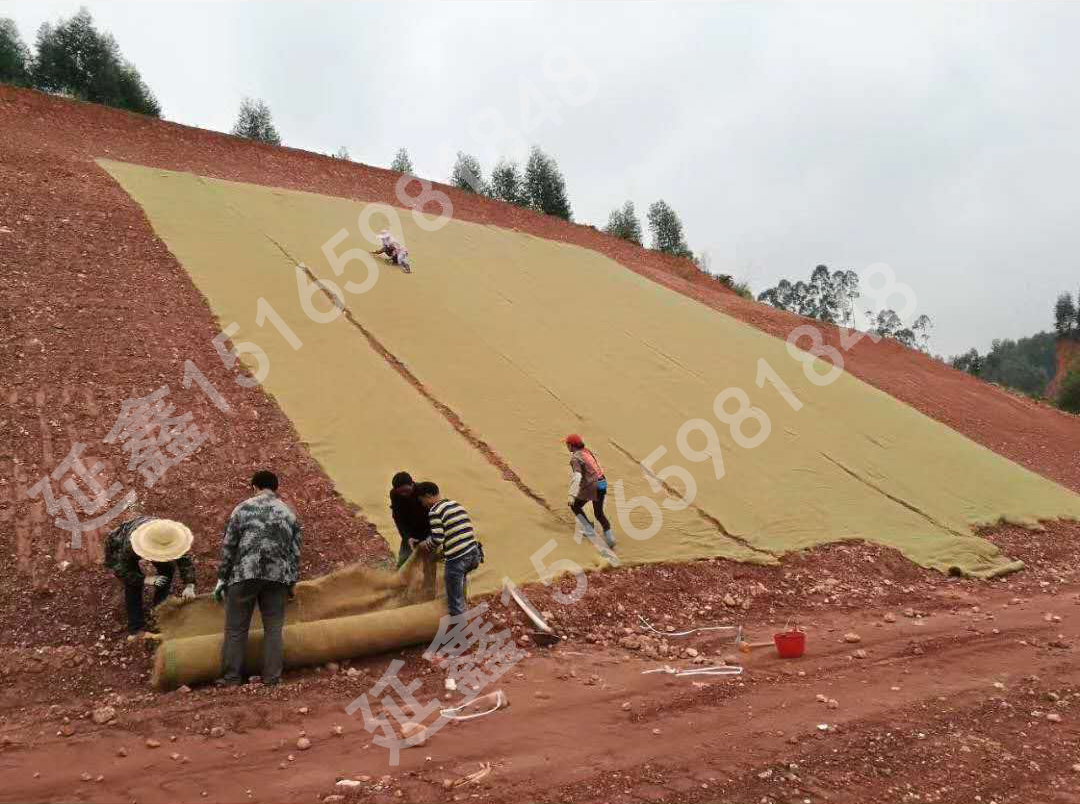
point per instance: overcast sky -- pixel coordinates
(941, 139)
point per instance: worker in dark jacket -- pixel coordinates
(260, 563)
(163, 543)
(410, 516)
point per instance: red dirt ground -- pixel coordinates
(95, 310)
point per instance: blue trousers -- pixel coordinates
(456, 570)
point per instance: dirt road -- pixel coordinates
(948, 706)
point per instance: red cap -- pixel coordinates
(574, 440)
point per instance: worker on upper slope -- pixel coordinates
(163, 543)
(260, 563)
(395, 252)
(410, 516)
(587, 484)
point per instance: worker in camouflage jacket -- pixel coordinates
(160, 542)
(260, 563)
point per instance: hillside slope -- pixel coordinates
(71, 134)
(95, 310)
(485, 325)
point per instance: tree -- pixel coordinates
(743, 289)
(824, 296)
(74, 59)
(785, 296)
(544, 186)
(624, 223)
(845, 286)
(971, 362)
(1027, 364)
(342, 153)
(888, 324)
(507, 183)
(1069, 398)
(467, 174)
(666, 230)
(829, 296)
(255, 122)
(14, 55)
(1065, 315)
(402, 163)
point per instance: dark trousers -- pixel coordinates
(240, 600)
(456, 570)
(133, 597)
(598, 508)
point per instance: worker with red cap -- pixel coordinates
(587, 484)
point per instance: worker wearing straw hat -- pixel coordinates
(162, 542)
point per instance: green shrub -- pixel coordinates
(743, 289)
(1069, 398)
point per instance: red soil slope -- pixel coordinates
(93, 310)
(96, 310)
(64, 135)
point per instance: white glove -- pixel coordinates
(156, 580)
(575, 486)
(189, 592)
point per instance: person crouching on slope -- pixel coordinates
(394, 251)
(587, 484)
(163, 543)
(451, 535)
(409, 515)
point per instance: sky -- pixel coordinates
(939, 139)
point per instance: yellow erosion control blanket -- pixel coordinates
(526, 340)
(198, 659)
(354, 611)
(355, 589)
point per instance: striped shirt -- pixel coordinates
(451, 529)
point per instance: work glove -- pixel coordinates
(156, 581)
(189, 592)
(575, 486)
(219, 591)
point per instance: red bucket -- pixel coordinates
(790, 644)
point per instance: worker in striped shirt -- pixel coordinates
(453, 537)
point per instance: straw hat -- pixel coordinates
(161, 540)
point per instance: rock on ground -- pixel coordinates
(103, 714)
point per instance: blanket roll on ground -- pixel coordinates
(198, 659)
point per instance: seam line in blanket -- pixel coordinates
(701, 512)
(451, 416)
